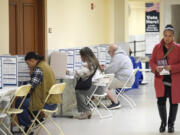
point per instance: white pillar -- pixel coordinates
(121, 20)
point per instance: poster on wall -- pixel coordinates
(152, 20)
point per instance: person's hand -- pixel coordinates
(102, 67)
(159, 68)
(67, 72)
(30, 71)
(168, 67)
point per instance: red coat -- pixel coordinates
(174, 61)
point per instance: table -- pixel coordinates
(68, 96)
(7, 91)
(6, 94)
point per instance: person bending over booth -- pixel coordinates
(42, 78)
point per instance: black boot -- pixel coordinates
(163, 116)
(172, 117)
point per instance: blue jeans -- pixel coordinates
(25, 117)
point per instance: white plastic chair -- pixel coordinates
(121, 92)
(105, 81)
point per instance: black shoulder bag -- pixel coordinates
(85, 84)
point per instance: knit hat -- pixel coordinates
(169, 27)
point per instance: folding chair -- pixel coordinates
(121, 92)
(3, 132)
(56, 89)
(2, 117)
(22, 92)
(105, 81)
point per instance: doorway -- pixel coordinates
(26, 26)
(175, 12)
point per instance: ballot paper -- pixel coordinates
(164, 72)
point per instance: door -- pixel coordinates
(175, 11)
(25, 22)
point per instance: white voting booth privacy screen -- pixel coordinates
(23, 70)
(58, 62)
(13, 71)
(73, 60)
(9, 70)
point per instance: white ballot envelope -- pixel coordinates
(164, 72)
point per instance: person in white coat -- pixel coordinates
(121, 66)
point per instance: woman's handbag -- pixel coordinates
(85, 84)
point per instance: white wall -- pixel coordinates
(110, 21)
(136, 18)
(74, 24)
(121, 20)
(4, 27)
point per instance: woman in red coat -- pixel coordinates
(167, 76)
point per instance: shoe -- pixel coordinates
(162, 128)
(114, 106)
(84, 115)
(172, 117)
(171, 129)
(163, 116)
(117, 91)
(42, 120)
(26, 129)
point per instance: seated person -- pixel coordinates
(42, 78)
(122, 68)
(89, 67)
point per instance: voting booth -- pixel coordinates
(58, 62)
(8, 71)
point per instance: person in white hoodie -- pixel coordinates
(121, 66)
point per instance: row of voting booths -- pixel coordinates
(73, 57)
(15, 72)
(70, 59)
